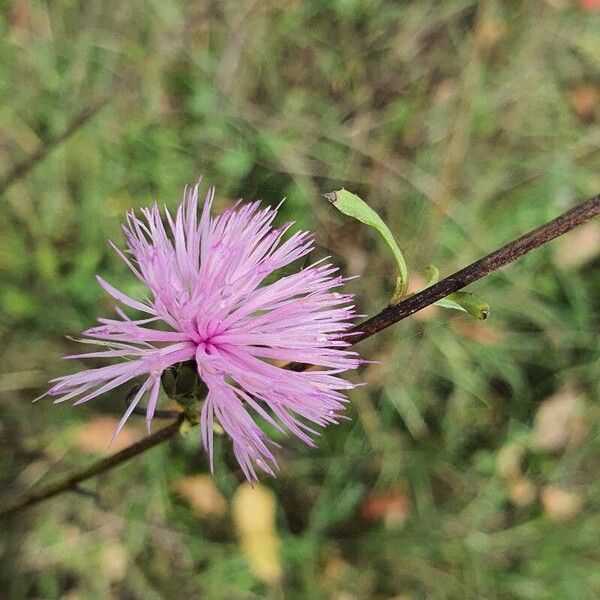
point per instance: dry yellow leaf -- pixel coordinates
(202, 494)
(95, 436)
(114, 561)
(254, 509)
(522, 491)
(509, 461)
(555, 420)
(392, 505)
(584, 101)
(488, 33)
(335, 570)
(560, 505)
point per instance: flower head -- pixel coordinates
(209, 302)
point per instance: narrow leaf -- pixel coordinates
(351, 205)
(463, 301)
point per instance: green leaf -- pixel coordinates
(351, 205)
(463, 301)
(432, 275)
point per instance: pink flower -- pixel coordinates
(209, 302)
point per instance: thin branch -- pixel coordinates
(480, 268)
(21, 169)
(388, 316)
(72, 482)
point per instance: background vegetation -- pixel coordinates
(469, 466)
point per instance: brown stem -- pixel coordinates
(21, 169)
(72, 482)
(388, 316)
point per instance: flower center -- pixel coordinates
(205, 334)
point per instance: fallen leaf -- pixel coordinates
(114, 561)
(509, 461)
(343, 595)
(254, 508)
(584, 101)
(19, 15)
(392, 505)
(555, 420)
(202, 494)
(522, 491)
(590, 5)
(95, 436)
(488, 33)
(443, 93)
(335, 569)
(560, 505)
(578, 248)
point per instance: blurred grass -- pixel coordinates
(465, 124)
